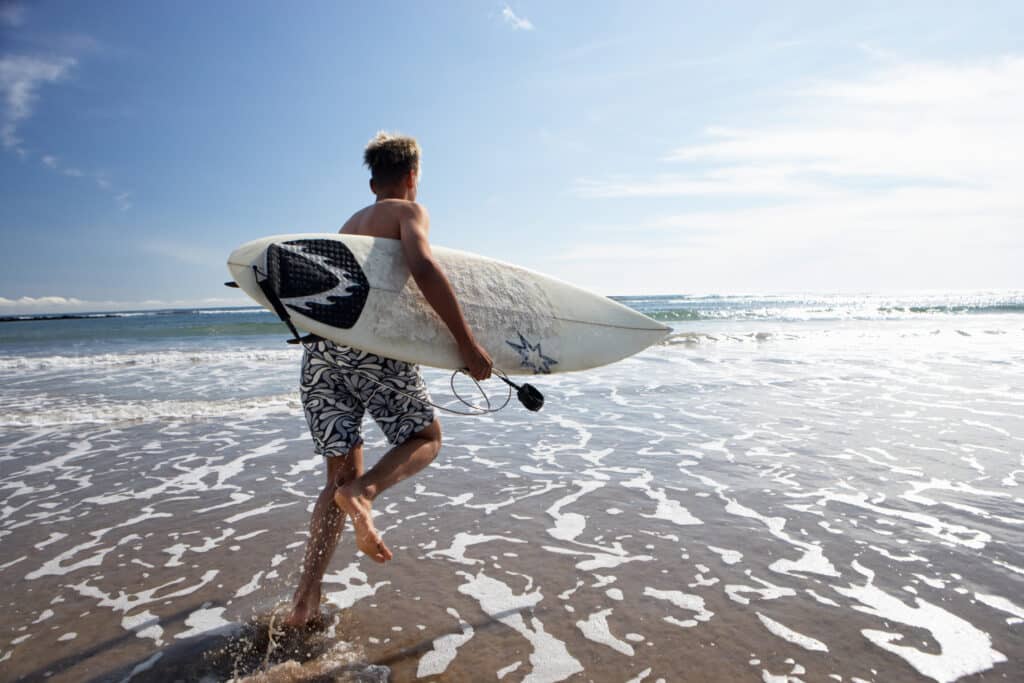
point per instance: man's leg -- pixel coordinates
(401, 462)
(324, 531)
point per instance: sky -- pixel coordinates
(630, 148)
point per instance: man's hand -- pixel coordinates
(478, 361)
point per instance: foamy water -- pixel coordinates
(754, 500)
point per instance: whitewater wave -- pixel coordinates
(949, 336)
(150, 359)
(800, 308)
(804, 314)
(47, 411)
(698, 338)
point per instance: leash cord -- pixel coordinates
(475, 409)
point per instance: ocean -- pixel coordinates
(789, 488)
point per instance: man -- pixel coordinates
(336, 392)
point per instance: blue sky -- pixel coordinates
(629, 148)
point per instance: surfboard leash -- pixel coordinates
(527, 394)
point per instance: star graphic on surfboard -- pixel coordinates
(531, 356)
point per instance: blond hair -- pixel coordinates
(390, 156)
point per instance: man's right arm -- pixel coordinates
(414, 225)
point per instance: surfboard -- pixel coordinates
(357, 291)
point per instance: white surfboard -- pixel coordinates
(357, 291)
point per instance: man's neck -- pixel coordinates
(394, 194)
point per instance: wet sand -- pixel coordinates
(679, 516)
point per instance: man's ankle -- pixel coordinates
(358, 489)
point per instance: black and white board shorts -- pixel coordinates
(340, 384)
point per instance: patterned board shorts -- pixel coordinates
(337, 391)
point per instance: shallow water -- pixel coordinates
(771, 500)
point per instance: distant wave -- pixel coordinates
(697, 338)
(675, 314)
(132, 314)
(799, 314)
(1008, 307)
(229, 311)
(73, 316)
(798, 309)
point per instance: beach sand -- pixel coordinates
(746, 512)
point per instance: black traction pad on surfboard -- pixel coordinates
(320, 279)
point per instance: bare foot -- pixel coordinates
(305, 610)
(357, 507)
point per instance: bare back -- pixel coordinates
(381, 219)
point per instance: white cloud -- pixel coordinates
(910, 175)
(20, 79)
(42, 302)
(516, 22)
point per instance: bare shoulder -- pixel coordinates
(354, 221)
(412, 216)
(387, 218)
(406, 208)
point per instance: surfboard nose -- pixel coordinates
(247, 254)
(633, 319)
